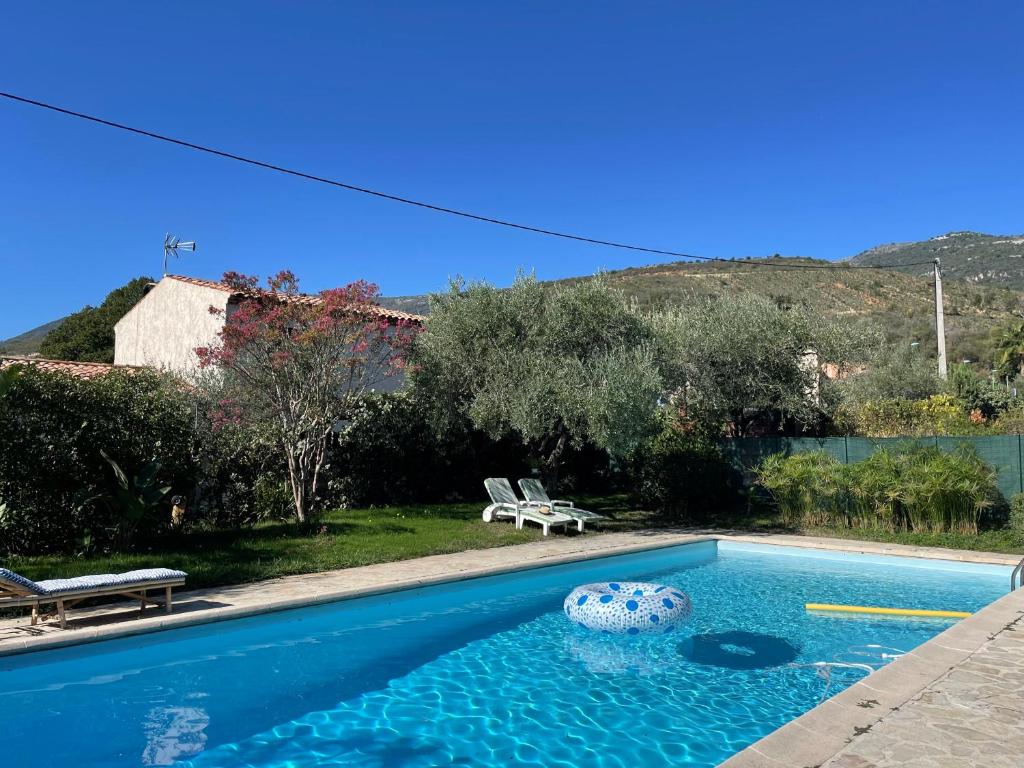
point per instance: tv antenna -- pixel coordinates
(172, 245)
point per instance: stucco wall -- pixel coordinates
(165, 327)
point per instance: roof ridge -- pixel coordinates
(309, 298)
(29, 359)
(81, 369)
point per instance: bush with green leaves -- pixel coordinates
(389, 453)
(92, 464)
(58, 489)
(913, 487)
(976, 395)
(685, 475)
(1016, 518)
(940, 414)
(948, 491)
(808, 488)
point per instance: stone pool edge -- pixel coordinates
(836, 725)
(240, 601)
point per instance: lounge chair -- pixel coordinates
(16, 590)
(535, 494)
(505, 503)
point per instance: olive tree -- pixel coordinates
(735, 358)
(553, 365)
(893, 372)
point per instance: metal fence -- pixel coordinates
(1001, 452)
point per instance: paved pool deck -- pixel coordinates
(957, 700)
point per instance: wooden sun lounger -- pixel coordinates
(17, 591)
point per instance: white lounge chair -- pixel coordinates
(505, 503)
(16, 590)
(535, 494)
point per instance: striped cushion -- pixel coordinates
(10, 578)
(79, 583)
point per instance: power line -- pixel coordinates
(428, 206)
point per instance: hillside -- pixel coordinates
(982, 259)
(28, 343)
(901, 304)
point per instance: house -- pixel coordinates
(166, 326)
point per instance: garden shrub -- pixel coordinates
(1011, 422)
(936, 415)
(941, 492)
(685, 475)
(808, 487)
(976, 395)
(240, 480)
(59, 494)
(57, 491)
(390, 454)
(1016, 518)
(913, 487)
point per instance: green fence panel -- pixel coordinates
(747, 453)
(833, 446)
(1001, 452)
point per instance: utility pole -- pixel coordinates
(940, 321)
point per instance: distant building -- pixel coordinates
(166, 326)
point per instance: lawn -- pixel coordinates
(356, 537)
(346, 538)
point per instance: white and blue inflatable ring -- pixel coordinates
(627, 607)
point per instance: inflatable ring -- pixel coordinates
(627, 607)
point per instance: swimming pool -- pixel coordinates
(487, 671)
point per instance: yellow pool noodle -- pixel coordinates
(885, 611)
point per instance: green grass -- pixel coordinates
(347, 538)
(364, 536)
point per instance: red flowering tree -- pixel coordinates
(293, 366)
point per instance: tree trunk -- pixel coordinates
(552, 464)
(296, 483)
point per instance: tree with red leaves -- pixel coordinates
(293, 366)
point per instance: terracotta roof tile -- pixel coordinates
(302, 298)
(71, 367)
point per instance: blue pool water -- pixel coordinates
(487, 671)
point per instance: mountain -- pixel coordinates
(971, 256)
(28, 342)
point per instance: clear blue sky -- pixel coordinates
(719, 128)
